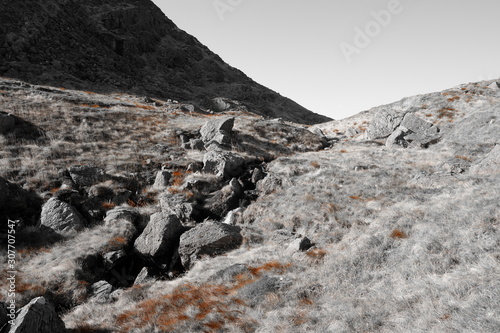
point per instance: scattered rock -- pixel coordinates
(121, 213)
(7, 122)
(101, 291)
(223, 164)
(162, 179)
(197, 144)
(156, 244)
(86, 175)
(209, 239)
(38, 316)
(218, 130)
(147, 274)
(61, 217)
(413, 132)
(299, 244)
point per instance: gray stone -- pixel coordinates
(495, 85)
(156, 244)
(415, 124)
(384, 123)
(397, 138)
(489, 165)
(197, 144)
(299, 244)
(257, 175)
(145, 275)
(269, 184)
(121, 213)
(218, 130)
(38, 316)
(162, 179)
(86, 175)
(209, 239)
(223, 163)
(176, 205)
(61, 217)
(101, 291)
(7, 122)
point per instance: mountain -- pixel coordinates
(127, 46)
(133, 214)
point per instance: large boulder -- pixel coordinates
(384, 123)
(38, 316)
(209, 239)
(218, 130)
(162, 180)
(61, 216)
(87, 175)
(413, 131)
(223, 163)
(157, 243)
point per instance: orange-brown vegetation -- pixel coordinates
(398, 233)
(212, 306)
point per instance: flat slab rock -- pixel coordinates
(210, 239)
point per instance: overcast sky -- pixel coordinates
(340, 57)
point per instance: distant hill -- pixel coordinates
(127, 46)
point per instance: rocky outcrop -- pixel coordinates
(208, 239)
(38, 316)
(61, 217)
(489, 165)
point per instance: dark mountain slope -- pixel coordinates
(129, 46)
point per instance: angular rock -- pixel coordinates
(495, 85)
(156, 244)
(7, 122)
(299, 244)
(147, 274)
(176, 205)
(162, 179)
(257, 175)
(101, 291)
(61, 217)
(223, 164)
(38, 316)
(218, 130)
(196, 144)
(397, 138)
(119, 213)
(384, 123)
(490, 165)
(210, 239)
(415, 124)
(86, 175)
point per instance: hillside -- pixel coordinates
(127, 46)
(147, 217)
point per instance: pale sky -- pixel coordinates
(338, 58)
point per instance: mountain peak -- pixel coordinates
(126, 46)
